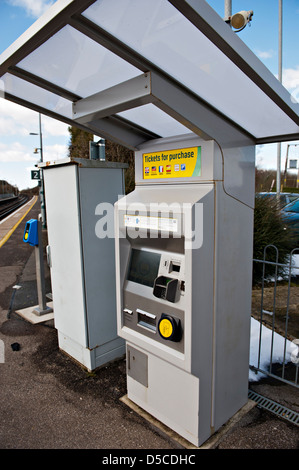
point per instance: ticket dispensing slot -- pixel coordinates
(146, 320)
(166, 288)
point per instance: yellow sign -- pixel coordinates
(180, 163)
(165, 328)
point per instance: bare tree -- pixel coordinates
(79, 147)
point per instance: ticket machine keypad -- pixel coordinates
(156, 309)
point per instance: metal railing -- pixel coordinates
(282, 365)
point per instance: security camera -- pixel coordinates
(239, 20)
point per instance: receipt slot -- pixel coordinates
(31, 232)
(183, 273)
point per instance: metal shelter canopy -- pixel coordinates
(136, 70)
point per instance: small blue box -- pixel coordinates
(31, 232)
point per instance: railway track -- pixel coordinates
(7, 206)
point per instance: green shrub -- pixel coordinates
(269, 229)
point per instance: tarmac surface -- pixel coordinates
(48, 401)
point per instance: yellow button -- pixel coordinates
(166, 328)
(26, 235)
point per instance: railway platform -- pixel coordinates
(9, 224)
(48, 401)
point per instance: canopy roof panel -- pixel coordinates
(135, 70)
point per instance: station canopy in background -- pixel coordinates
(136, 70)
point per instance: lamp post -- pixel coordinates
(41, 191)
(286, 166)
(278, 177)
(227, 8)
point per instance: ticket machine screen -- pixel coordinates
(144, 267)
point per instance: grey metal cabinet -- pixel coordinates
(78, 194)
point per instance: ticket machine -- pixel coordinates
(183, 273)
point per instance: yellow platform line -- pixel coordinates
(9, 234)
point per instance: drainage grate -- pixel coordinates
(274, 407)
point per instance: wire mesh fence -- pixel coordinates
(275, 305)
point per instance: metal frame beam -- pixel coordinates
(43, 29)
(169, 97)
(105, 39)
(196, 114)
(126, 95)
(208, 24)
(42, 83)
(115, 129)
(101, 36)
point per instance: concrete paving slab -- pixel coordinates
(29, 314)
(210, 443)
